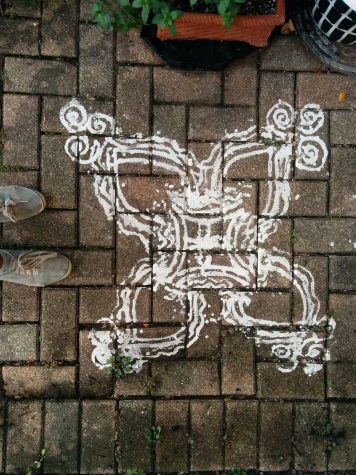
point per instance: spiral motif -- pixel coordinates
(282, 351)
(77, 146)
(281, 116)
(311, 119)
(100, 124)
(74, 117)
(313, 351)
(311, 153)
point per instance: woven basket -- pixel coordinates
(252, 29)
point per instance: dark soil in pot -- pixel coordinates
(251, 7)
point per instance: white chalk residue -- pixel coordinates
(212, 218)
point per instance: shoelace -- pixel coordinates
(29, 262)
(7, 208)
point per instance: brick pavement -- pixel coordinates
(221, 403)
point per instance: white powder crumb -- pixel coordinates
(332, 244)
(297, 197)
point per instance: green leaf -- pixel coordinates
(176, 14)
(172, 28)
(145, 13)
(193, 2)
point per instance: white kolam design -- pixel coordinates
(237, 262)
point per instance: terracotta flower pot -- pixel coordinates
(252, 29)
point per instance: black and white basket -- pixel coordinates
(328, 28)
(336, 19)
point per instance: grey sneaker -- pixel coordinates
(34, 268)
(18, 203)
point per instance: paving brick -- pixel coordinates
(322, 134)
(197, 261)
(288, 53)
(2, 435)
(95, 303)
(58, 29)
(39, 381)
(85, 10)
(208, 343)
(18, 36)
(29, 179)
(98, 437)
(93, 382)
(246, 238)
(207, 435)
(253, 167)
(274, 86)
(342, 273)
(173, 85)
(340, 131)
(40, 76)
(318, 266)
(135, 422)
(278, 243)
(61, 436)
(164, 309)
(341, 380)
(49, 229)
(58, 324)
(342, 187)
(91, 211)
(131, 48)
(306, 198)
(50, 121)
(342, 346)
(19, 8)
(238, 364)
(271, 383)
(23, 435)
(172, 451)
(96, 73)
(275, 435)
(19, 304)
(324, 89)
(324, 235)
(129, 251)
(240, 82)
(309, 446)
(18, 342)
(90, 268)
(212, 123)
(241, 434)
(58, 174)
(343, 455)
(135, 384)
(186, 378)
(133, 104)
(170, 121)
(20, 120)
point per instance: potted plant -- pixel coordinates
(238, 20)
(188, 33)
(328, 27)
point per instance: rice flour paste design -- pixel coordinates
(185, 222)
